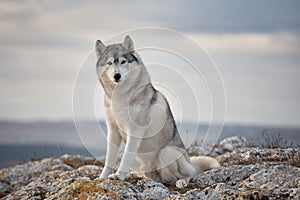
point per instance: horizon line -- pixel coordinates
(226, 123)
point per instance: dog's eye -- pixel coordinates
(123, 62)
(109, 63)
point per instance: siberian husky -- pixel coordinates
(139, 115)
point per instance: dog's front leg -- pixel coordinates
(130, 151)
(113, 144)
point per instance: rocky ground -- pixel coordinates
(246, 173)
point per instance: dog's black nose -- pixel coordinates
(117, 77)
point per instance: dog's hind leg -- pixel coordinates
(175, 166)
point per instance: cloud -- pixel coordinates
(234, 16)
(194, 16)
(43, 44)
(257, 43)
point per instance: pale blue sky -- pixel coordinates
(256, 46)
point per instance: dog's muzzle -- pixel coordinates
(117, 77)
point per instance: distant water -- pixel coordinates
(23, 141)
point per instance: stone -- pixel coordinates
(254, 155)
(5, 189)
(232, 143)
(226, 145)
(77, 161)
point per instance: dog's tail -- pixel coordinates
(203, 163)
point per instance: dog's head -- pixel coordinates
(117, 60)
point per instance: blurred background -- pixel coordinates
(44, 44)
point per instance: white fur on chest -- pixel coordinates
(124, 114)
(135, 119)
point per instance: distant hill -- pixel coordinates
(16, 154)
(23, 141)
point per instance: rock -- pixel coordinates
(246, 182)
(91, 171)
(154, 190)
(96, 189)
(275, 177)
(21, 175)
(246, 173)
(62, 167)
(111, 189)
(226, 145)
(207, 193)
(5, 189)
(230, 175)
(77, 161)
(253, 155)
(232, 143)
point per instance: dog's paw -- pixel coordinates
(116, 177)
(133, 175)
(181, 183)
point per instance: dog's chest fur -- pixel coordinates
(128, 114)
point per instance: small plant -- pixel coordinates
(274, 141)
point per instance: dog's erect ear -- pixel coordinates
(99, 47)
(128, 43)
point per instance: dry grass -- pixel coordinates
(274, 141)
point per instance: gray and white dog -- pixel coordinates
(139, 115)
